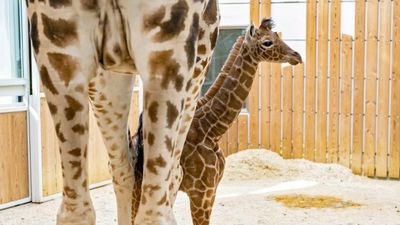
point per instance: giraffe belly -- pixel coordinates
(112, 44)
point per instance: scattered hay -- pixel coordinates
(317, 201)
(259, 164)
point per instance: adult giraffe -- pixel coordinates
(92, 48)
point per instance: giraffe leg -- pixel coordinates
(65, 68)
(201, 203)
(207, 39)
(111, 108)
(68, 103)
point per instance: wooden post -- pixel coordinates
(298, 100)
(356, 159)
(322, 72)
(310, 80)
(345, 100)
(223, 144)
(265, 84)
(333, 136)
(394, 166)
(276, 107)
(253, 96)
(287, 112)
(370, 92)
(383, 95)
(243, 131)
(233, 138)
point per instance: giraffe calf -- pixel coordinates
(202, 160)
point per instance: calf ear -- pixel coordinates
(267, 24)
(250, 32)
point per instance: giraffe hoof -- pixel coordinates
(77, 220)
(81, 216)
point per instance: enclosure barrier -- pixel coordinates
(342, 105)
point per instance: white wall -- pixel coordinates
(289, 16)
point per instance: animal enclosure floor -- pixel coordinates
(248, 195)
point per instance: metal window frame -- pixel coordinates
(20, 87)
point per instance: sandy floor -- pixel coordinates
(246, 196)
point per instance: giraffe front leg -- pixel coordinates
(68, 105)
(207, 39)
(111, 108)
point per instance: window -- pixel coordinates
(235, 17)
(226, 39)
(12, 87)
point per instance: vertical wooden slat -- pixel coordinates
(370, 92)
(345, 101)
(356, 157)
(265, 105)
(134, 113)
(242, 133)
(233, 138)
(298, 100)
(394, 165)
(276, 107)
(265, 88)
(51, 168)
(253, 96)
(287, 112)
(333, 136)
(223, 144)
(14, 172)
(322, 76)
(383, 95)
(310, 80)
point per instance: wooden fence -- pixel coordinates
(342, 105)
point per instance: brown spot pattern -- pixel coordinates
(89, 4)
(188, 85)
(74, 106)
(153, 20)
(60, 32)
(60, 3)
(65, 65)
(153, 163)
(172, 113)
(152, 111)
(201, 49)
(150, 138)
(210, 14)
(79, 128)
(161, 62)
(191, 41)
(59, 134)
(77, 165)
(214, 37)
(52, 108)
(46, 80)
(35, 33)
(163, 200)
(171, 28)
(70, 193)
(168, 144)
(75, 152)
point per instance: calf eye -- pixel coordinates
(267, 43)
